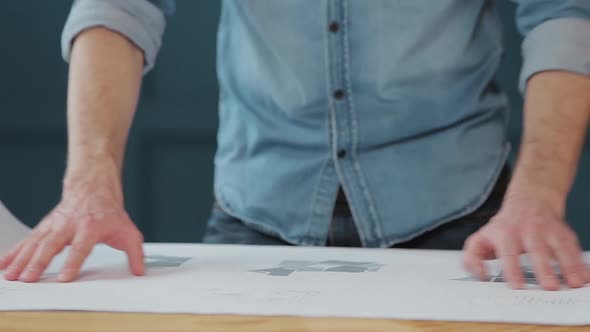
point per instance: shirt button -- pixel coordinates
(338, 94)
(341, 154)
(334, 27)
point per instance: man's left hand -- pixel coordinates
(533, 226)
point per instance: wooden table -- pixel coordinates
(95, 322)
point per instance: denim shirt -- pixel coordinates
(395, 101)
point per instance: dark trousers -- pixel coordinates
(223, 228)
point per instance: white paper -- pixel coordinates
(11, 230)
(296, 281)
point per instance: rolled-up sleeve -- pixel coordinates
(141, 21)
(556, 36)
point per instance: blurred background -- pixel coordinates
(169, 162)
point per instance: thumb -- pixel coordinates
(477, 250)
(133, 247)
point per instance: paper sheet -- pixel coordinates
(299, 281)
(11, 230)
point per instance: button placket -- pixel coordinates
(334, 27)
(336, 32)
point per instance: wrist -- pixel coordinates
(86, 175)
(81, 161)
(525, 192)
(540, 179)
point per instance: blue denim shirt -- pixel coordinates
(393, 100)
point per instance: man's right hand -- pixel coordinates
(91, 211)
(103, 89)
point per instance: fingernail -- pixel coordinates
(63, 277)
(480, 274)
(578, 280)
(552, 286)
(477, 270)
(10, 275)
(25, 276)
(11, 271)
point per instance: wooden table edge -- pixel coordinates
(65, 321)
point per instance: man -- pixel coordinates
(345, 123)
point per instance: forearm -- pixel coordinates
(104, 82)
(556, 116)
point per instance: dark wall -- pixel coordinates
(169, 167)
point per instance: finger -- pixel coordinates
(135, 254)
(81, 247)
(541, 256)
(21, 260)
(509, 250)
(49, 248)
(571, 263)
(34, 236)
(477, 250)
(9, 257)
